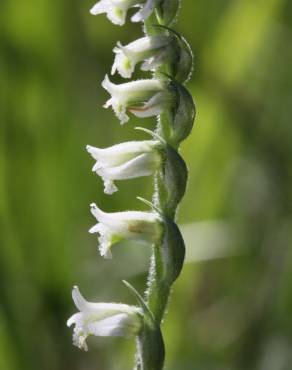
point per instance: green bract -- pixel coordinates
(167, 10)
(182, 67)
(177, 121)
(172, 181)
(173, 251)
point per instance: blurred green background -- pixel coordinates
(232, 306)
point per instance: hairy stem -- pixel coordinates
(168, 256)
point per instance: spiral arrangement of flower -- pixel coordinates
(168, 56)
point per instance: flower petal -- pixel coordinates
(142, 165)
(152, 108)
(121, 153)
(79, 300)
(145, 11)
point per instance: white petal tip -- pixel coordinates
(123, 121)
(95, 10)
(136, 18)
(109, 187)
(110, 192)
(106, 254)
(92, 230)
(105, 80)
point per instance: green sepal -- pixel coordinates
(176, 122)
(166, 11)
(150, 344)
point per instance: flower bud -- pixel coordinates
(141, 227)
(126, 161)
(102, 319)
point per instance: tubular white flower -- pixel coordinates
(143, 98)
(153, 50)
(141, 227)
(116, 10)
(125, 161)
(102, 319)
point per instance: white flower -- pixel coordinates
(125, 161)
(143, 98)
(102, 319)
(153, 50)
(141, 227)
(116, 10)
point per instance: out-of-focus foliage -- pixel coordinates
(232, 306)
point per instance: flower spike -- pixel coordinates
(168, 55)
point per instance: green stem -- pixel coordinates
(168, 255)
(157, 294)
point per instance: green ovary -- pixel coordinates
(127, 64)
